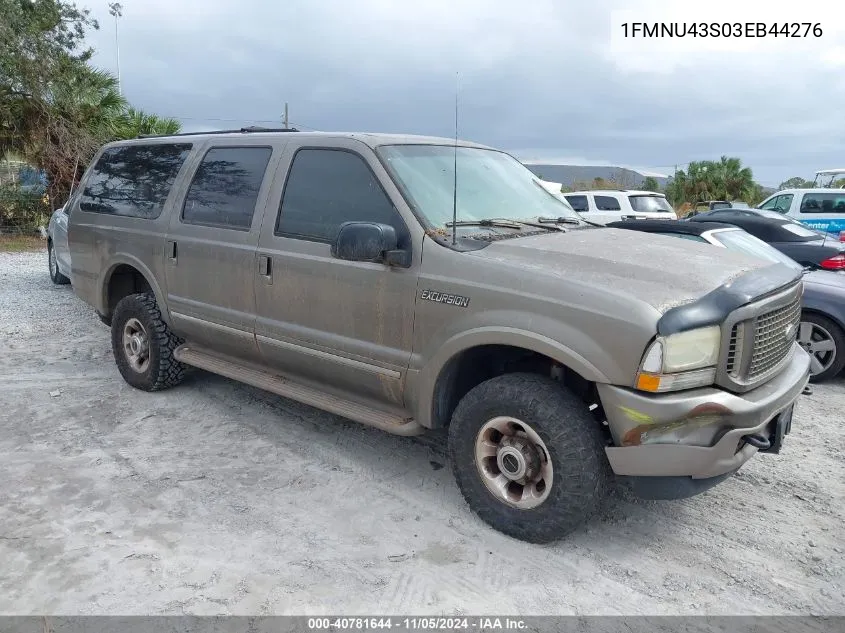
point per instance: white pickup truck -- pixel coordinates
(821, 208)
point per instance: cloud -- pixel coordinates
(544, 75)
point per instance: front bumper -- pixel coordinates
(696, 433)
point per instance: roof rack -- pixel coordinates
(243, 130)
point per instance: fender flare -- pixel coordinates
(493, 335)
(146, 273)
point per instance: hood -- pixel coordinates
(660, 270)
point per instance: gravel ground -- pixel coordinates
(216, 498)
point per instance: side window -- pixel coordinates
(780, 203)
(823, 203)
(579, 203)
(327, 187)
(607, 203)
(133, 180)
(784, 202)
(224, 190)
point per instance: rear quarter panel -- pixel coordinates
(99, 242)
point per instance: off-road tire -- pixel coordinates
(838, 336)
(58, 278)
(573, 437)
(163, 370)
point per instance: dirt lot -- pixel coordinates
(217, 498)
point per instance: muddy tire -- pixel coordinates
(528, 457)
(824, 340)
(143, 345)
(53, 266)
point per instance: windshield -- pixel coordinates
(645, 204)
(491, 184)
(742, 242)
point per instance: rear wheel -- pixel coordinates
(528, 456)
(57, 277)
(824, 341)
(143, 345)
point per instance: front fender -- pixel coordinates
(593, 360)
(831, 306)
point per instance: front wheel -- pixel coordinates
(824, 341)
(53, 265)
(528, 456)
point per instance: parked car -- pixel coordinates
(328, 268)
(806, 246)
(708, 205)
(822, 328)
(58, 255)
(822, 209)
(603, 206)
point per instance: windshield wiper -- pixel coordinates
(564, 220)
(502, 224)
(560, 220)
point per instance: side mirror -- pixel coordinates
(369, 242)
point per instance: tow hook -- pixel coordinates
(758, 441)
(808, 391)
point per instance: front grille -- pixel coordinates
(734, 348)
(772, 333)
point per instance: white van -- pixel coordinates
(612, 205)
(821, 209)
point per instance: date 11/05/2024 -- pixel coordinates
(480, 624)
(722, 29)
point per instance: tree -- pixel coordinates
(725, 179)
(650, 184)
(732, 181)
(53, 106)
(137, 122)
(55, 109)
(796, 182)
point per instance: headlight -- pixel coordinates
(681, 361)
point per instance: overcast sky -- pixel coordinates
(544, 79)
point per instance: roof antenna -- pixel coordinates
(455, 180)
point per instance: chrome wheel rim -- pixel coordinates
(136, 345)
(513, 462)
(51, 256)
(819, 344)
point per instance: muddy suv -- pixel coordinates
(327, 268)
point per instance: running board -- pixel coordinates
(287, 388)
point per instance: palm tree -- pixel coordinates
(85, 111)
(732, 180)
(136, 122)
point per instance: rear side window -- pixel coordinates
(579, 203)
(823, 203)
(133, 180)
(645, 204)
(327, 187)
(224, 190)
(607, 203)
